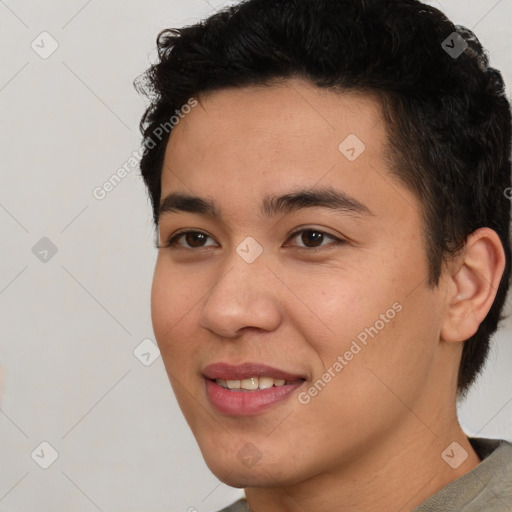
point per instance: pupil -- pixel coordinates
(195, 239)
(312, 238)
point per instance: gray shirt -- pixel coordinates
(486, 488)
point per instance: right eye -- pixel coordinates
(189, 240)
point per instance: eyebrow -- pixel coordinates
(325, 197)
(175, 202)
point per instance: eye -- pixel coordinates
(190, 240)
(311, 238)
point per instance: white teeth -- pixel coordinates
(233, 384)
(251, 383)
(266, 382)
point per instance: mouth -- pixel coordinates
(249, 388)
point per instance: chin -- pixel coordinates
(248, 477)
(235, 473)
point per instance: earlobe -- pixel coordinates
(475, 278)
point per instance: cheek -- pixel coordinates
(378, 311)
(333, 307)
(383, 357)
(172, 306)
(163, 311)
(173, 316)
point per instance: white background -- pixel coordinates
(68, 327)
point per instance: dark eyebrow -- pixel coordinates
(175, 202)
(272, 205)
(326, 197)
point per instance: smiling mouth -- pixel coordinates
(249, 388)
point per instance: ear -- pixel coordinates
(474, 277)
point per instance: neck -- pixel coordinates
(398, 474)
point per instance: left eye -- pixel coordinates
(311, 238)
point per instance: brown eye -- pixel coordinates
(191, 240)
(195, 238)
(313, 238)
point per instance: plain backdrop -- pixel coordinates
(76, 271)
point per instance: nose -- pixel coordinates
(244, 297)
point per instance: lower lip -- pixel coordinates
(239, 403)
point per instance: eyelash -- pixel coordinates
(173, 239)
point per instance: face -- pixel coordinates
(290, 299)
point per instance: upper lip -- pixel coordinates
(228, 371)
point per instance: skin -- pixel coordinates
(372, 438)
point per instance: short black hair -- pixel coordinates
(446, 112)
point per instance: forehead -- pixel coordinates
(295, 127)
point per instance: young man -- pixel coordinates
(329, 185)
